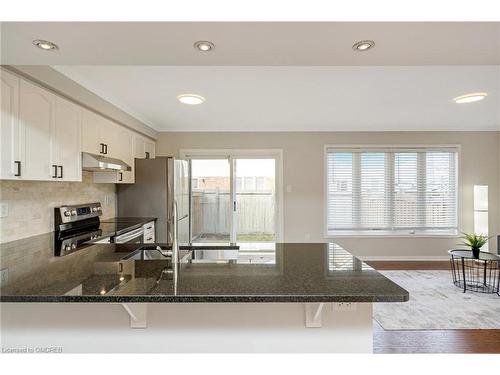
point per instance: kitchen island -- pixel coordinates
(291, 298)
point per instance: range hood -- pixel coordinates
(101, 163)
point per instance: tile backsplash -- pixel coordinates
(30, 204)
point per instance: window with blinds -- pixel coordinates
(392, 190)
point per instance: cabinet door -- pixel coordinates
(10, 135)
(126, 153)
(149, 149)
(122, 149)
(139, 146)
(36, 115)
(109, 135)
(66, 141)
(91, 123)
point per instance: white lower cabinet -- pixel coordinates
(149, 232)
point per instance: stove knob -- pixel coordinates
(94, 209)
(67, 247)
(99, 208)
(67, 213)
(73, 246)
(73, 212)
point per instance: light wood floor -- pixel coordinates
(431, 341)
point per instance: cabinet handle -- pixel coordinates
(106, 149)
(102, 148)
(121, 177)
(61, 170)
(55, 171)
(18, 163)
(147, 155)
(149, 239)
(149, 227)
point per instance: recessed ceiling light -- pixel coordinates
(363, 45)
(204, 46)
(45, 45)
(191, 99)
(470, 98)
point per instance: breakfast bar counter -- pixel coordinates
(272, 299)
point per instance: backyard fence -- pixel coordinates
(211, 214)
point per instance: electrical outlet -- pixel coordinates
(4, 276)
(343, 306)
(4, 209)
(307, 236)
(288, 188)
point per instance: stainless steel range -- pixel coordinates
(75, 226)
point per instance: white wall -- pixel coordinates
(303, 158)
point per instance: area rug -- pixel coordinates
(435, 303)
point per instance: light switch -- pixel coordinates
(4, 209)
(288, 188)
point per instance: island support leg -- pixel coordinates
(138, 314)
(314, 316)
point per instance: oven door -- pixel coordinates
(134, 236)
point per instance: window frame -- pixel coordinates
(394, 148)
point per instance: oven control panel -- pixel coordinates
(69, 214)
(65, 246)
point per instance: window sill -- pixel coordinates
(382, 234)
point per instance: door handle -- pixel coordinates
(18, 163)
(121, 176)
(55, 171)
(61, 170)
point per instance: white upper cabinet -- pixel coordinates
(43, 135)
(102, 136)
(149, 149)
(144, 148)
(123, 146)
(66, 145)
(36, 117)
(126, 138)
(91, 141)
(10, 133)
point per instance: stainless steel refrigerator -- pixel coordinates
(160, 183)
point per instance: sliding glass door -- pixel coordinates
(234, 197)
(211, 200)
(255, 196)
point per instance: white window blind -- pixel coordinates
(392, 190)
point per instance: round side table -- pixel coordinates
(475, 274)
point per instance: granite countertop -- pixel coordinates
(284, 272)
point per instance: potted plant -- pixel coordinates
(474, 241)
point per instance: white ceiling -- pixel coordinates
(268, 98)
(277, 76)
(252, 43)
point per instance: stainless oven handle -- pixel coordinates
(129, 235)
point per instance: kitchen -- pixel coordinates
(168, 221)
